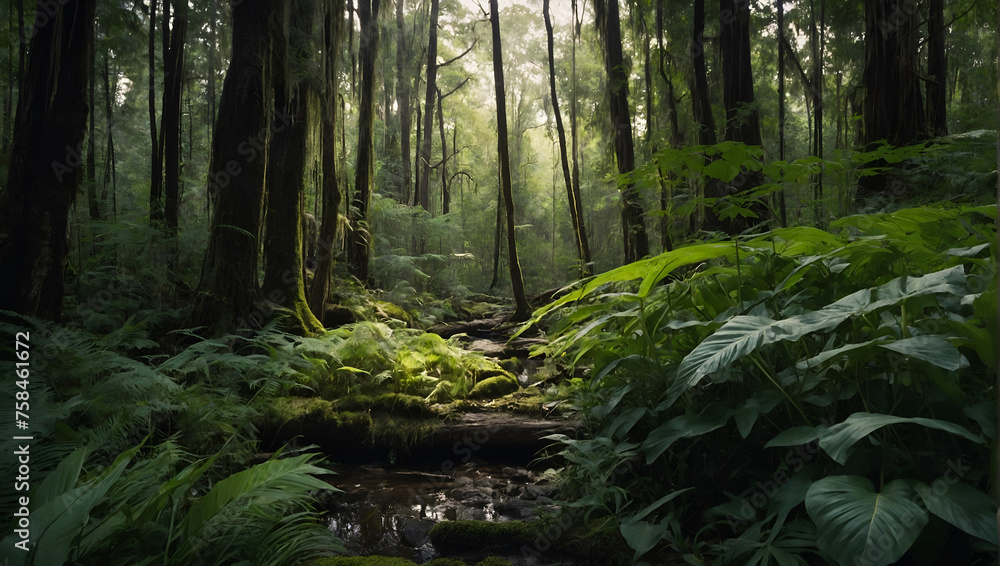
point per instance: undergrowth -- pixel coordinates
(799, 397)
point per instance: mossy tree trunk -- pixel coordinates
(228, 289)
(44, 171)
(319, 290)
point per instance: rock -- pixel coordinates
(516, 508)
(521, 475)
(416, 532)
(463, 481)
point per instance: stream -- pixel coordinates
(390, 511)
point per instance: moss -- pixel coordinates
(359, 561)
(386, 310)
(494, 561)
(354, 403)
(298, 416)
(460, 536)
(403, 405)
(445, 562)
(527, 401)
(494, 387)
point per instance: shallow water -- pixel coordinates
(389, 511)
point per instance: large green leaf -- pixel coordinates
(57, 524)
(931, 349)
(271, 481)
(963, 506)
(841, 436)
(642, 536)
(684, 426)
(857, 525)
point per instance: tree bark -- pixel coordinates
(634, 235)
(319, 291)
(44, 169)
(156, 165)
(937, 68)
(174, 38)
(425, 144)
(225, 298)
(742, 120)
(893, 107)
(579, 230)
(445, 195)
(94, 205)
(782, 210)
(577, 198)
(364, 171)
(702, 106)
(403, 100)
(521, 308)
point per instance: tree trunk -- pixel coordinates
(284, 282)
(110, 174)
(445, 196)
(782, 210)
(579, 231)
(174, 38)
(937, 68)
(225, 299)
(702, 106)
(742, 121)
(633, 224)
(44, 169)
(319, 291)
(156, 165)
(577, 198)
(521, 308)
(425, 144)
(364, 172)
(817, 104)
(893, 107)
(403, 101)
(93, 204)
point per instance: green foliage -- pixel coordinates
(811, 362)
(135, 463)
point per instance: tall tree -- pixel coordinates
(319, 290)
(579, 230)
(742, 120)
(284, 277)
(93, 204)
(44, 171)
(937, 68)
(893, 108)
(225, 298)
(782, 211)
(521, 308)
(425, 143)
(701, 104)
(403, 100)
(174, 33)
(633, 223)
(364, 171)
(155, 156)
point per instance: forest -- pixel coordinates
(483, 283)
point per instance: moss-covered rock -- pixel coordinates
(494, 561)
(402, 405)
(463, 536)
(445, 562)
(314, 418)
(493, 387)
